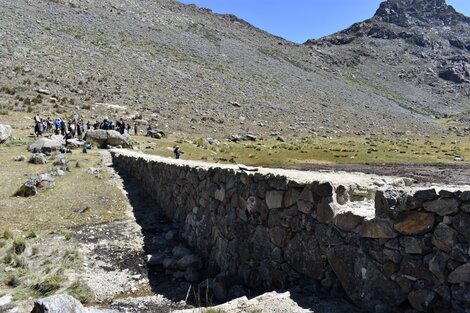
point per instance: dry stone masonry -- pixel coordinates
(388, 245)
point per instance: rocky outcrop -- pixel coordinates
(104, 138)
(264, 231)
(5, 132)
(407, 13)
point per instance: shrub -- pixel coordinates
(12, 280)
(49, 285)
(19, 245)
(7, 234)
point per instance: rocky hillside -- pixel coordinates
(418, 48)
(192, 71)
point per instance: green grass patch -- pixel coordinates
(354, 150)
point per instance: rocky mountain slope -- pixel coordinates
(412, 45)
(193, 71)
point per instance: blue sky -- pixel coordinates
(299, 20)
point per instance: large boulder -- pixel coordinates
(5, 132)
(58, 304)
(104, 138)
(362, 280)
(45, 145)
(36, 184)
(303, 254)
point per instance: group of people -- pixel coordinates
(73, 128)
(76, 128)
(121, 126)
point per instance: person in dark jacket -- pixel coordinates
(177, 152)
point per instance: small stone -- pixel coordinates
(220, 194)
(274, 199)
(414, 223)
(304, 206)
(421, 300)
(278, 236)
(438, 264)
(460, 275)
(461, 294)
(414, 245)
(93, 170)
(291, 196)
(426, 195)
(392, 255)
(385, 202)
(326, 211)
(443, 291)
(377, 228)
(306, 194)
(461, 252)
(342, 195)
(19, 158)
(461, 223)
(347, 221)
(324, 189)
(442, 207)
(446, 194)
(444, 237)
(38, 158)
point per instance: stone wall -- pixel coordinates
(389, 248)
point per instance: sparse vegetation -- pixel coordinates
(48, 285)
(19, 245)
(80, 291)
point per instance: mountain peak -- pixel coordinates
(419, 12)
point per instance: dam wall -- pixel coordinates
(388, 244)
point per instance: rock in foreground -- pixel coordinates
(5, 132)
(58, 304)
(36, 184)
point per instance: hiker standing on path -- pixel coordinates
(135, 128)
(177, 152)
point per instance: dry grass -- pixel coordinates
(38, 253)
(51, 210)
